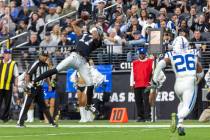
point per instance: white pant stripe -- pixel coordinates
(22, 109)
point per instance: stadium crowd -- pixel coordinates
(125, 24)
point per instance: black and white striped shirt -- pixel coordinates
(37, 69)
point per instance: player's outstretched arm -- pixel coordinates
(161, 65)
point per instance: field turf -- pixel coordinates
(103, 130)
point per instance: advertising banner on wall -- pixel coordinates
(166, 101)
(121, 95)
(105, 70)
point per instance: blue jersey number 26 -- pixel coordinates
(183, 63)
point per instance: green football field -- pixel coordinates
(103, 130)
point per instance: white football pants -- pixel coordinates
(186, 90)
(78, 62)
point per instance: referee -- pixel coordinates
(40, 66)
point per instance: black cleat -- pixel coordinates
(54, 125)
(181, 131)
(92, 109)
(20, 126)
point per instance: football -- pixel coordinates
(85, 15)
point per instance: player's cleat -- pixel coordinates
(82, 121)
(181, 131)
(54, 125)
(20, 126)
(92, 109)
(173, 122)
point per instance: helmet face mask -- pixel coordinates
(180, 43)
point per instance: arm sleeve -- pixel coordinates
(16, 72)
(131, 77)
(161, 65)
(33, 68)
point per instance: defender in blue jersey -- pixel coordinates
(188, 70)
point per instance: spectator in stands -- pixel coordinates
(163, 3)
(4, 33)
(85, 5)
(133, 12)
(167, 41)
(144, 6)
(141, 73)
(128, 4)
(51, 16)
(42, 11)
(161, 18)
(54, 2)
(59, 10)
(199, 24)
(63, 40)
(56, 32)
(14, 11)
(118, 15)
(114, 41)
(192, 16)
(32, 48)
(36, 24)
(184, 32)
(6, 20)
(198, 41)
(150, 23)
(67, 7)
(102, 23)
(21, 28)
(23, 14)
(33, 40)
(206, 9)
(163, 11)
(143, 17)
(49, 42)
(117, 25)
(135, 42)
(2, 6)
(183, 26)
(178, 13)
(99, 9)
(135, 26)
(28, 3)
(74, 3)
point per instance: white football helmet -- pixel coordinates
(180, 43)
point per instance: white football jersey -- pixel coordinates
(184, 63)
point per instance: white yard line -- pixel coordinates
(72, 133)
(106, 126)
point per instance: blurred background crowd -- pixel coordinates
(125, 23)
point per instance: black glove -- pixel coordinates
(154, 84)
